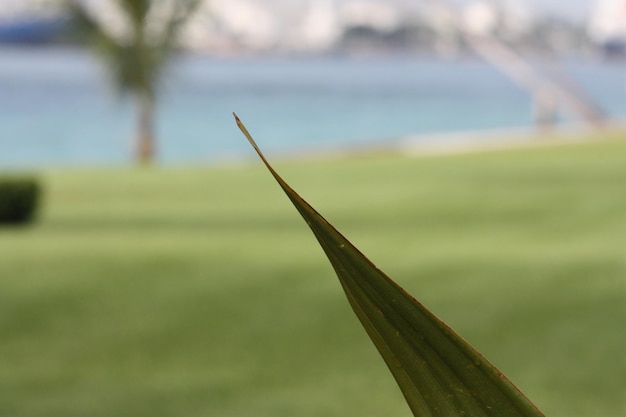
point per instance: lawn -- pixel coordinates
(200, 292)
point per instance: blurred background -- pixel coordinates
(150, 267)
(369, 73)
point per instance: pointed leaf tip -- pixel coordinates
(439, 373)
(245, 132)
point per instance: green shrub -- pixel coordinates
(19, 199)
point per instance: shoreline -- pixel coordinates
(410, 146)
(452, 143)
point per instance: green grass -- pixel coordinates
(200, 292)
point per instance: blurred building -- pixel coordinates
(347, 26)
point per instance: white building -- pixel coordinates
(249, 23)
(480, 18)
(320, 26)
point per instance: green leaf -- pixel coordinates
(439, 373)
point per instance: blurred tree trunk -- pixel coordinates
(145, 148)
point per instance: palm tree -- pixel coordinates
(137, 52)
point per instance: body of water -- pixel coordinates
(56, 108)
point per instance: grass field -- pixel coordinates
(200, 292)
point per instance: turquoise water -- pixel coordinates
(56, 108)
